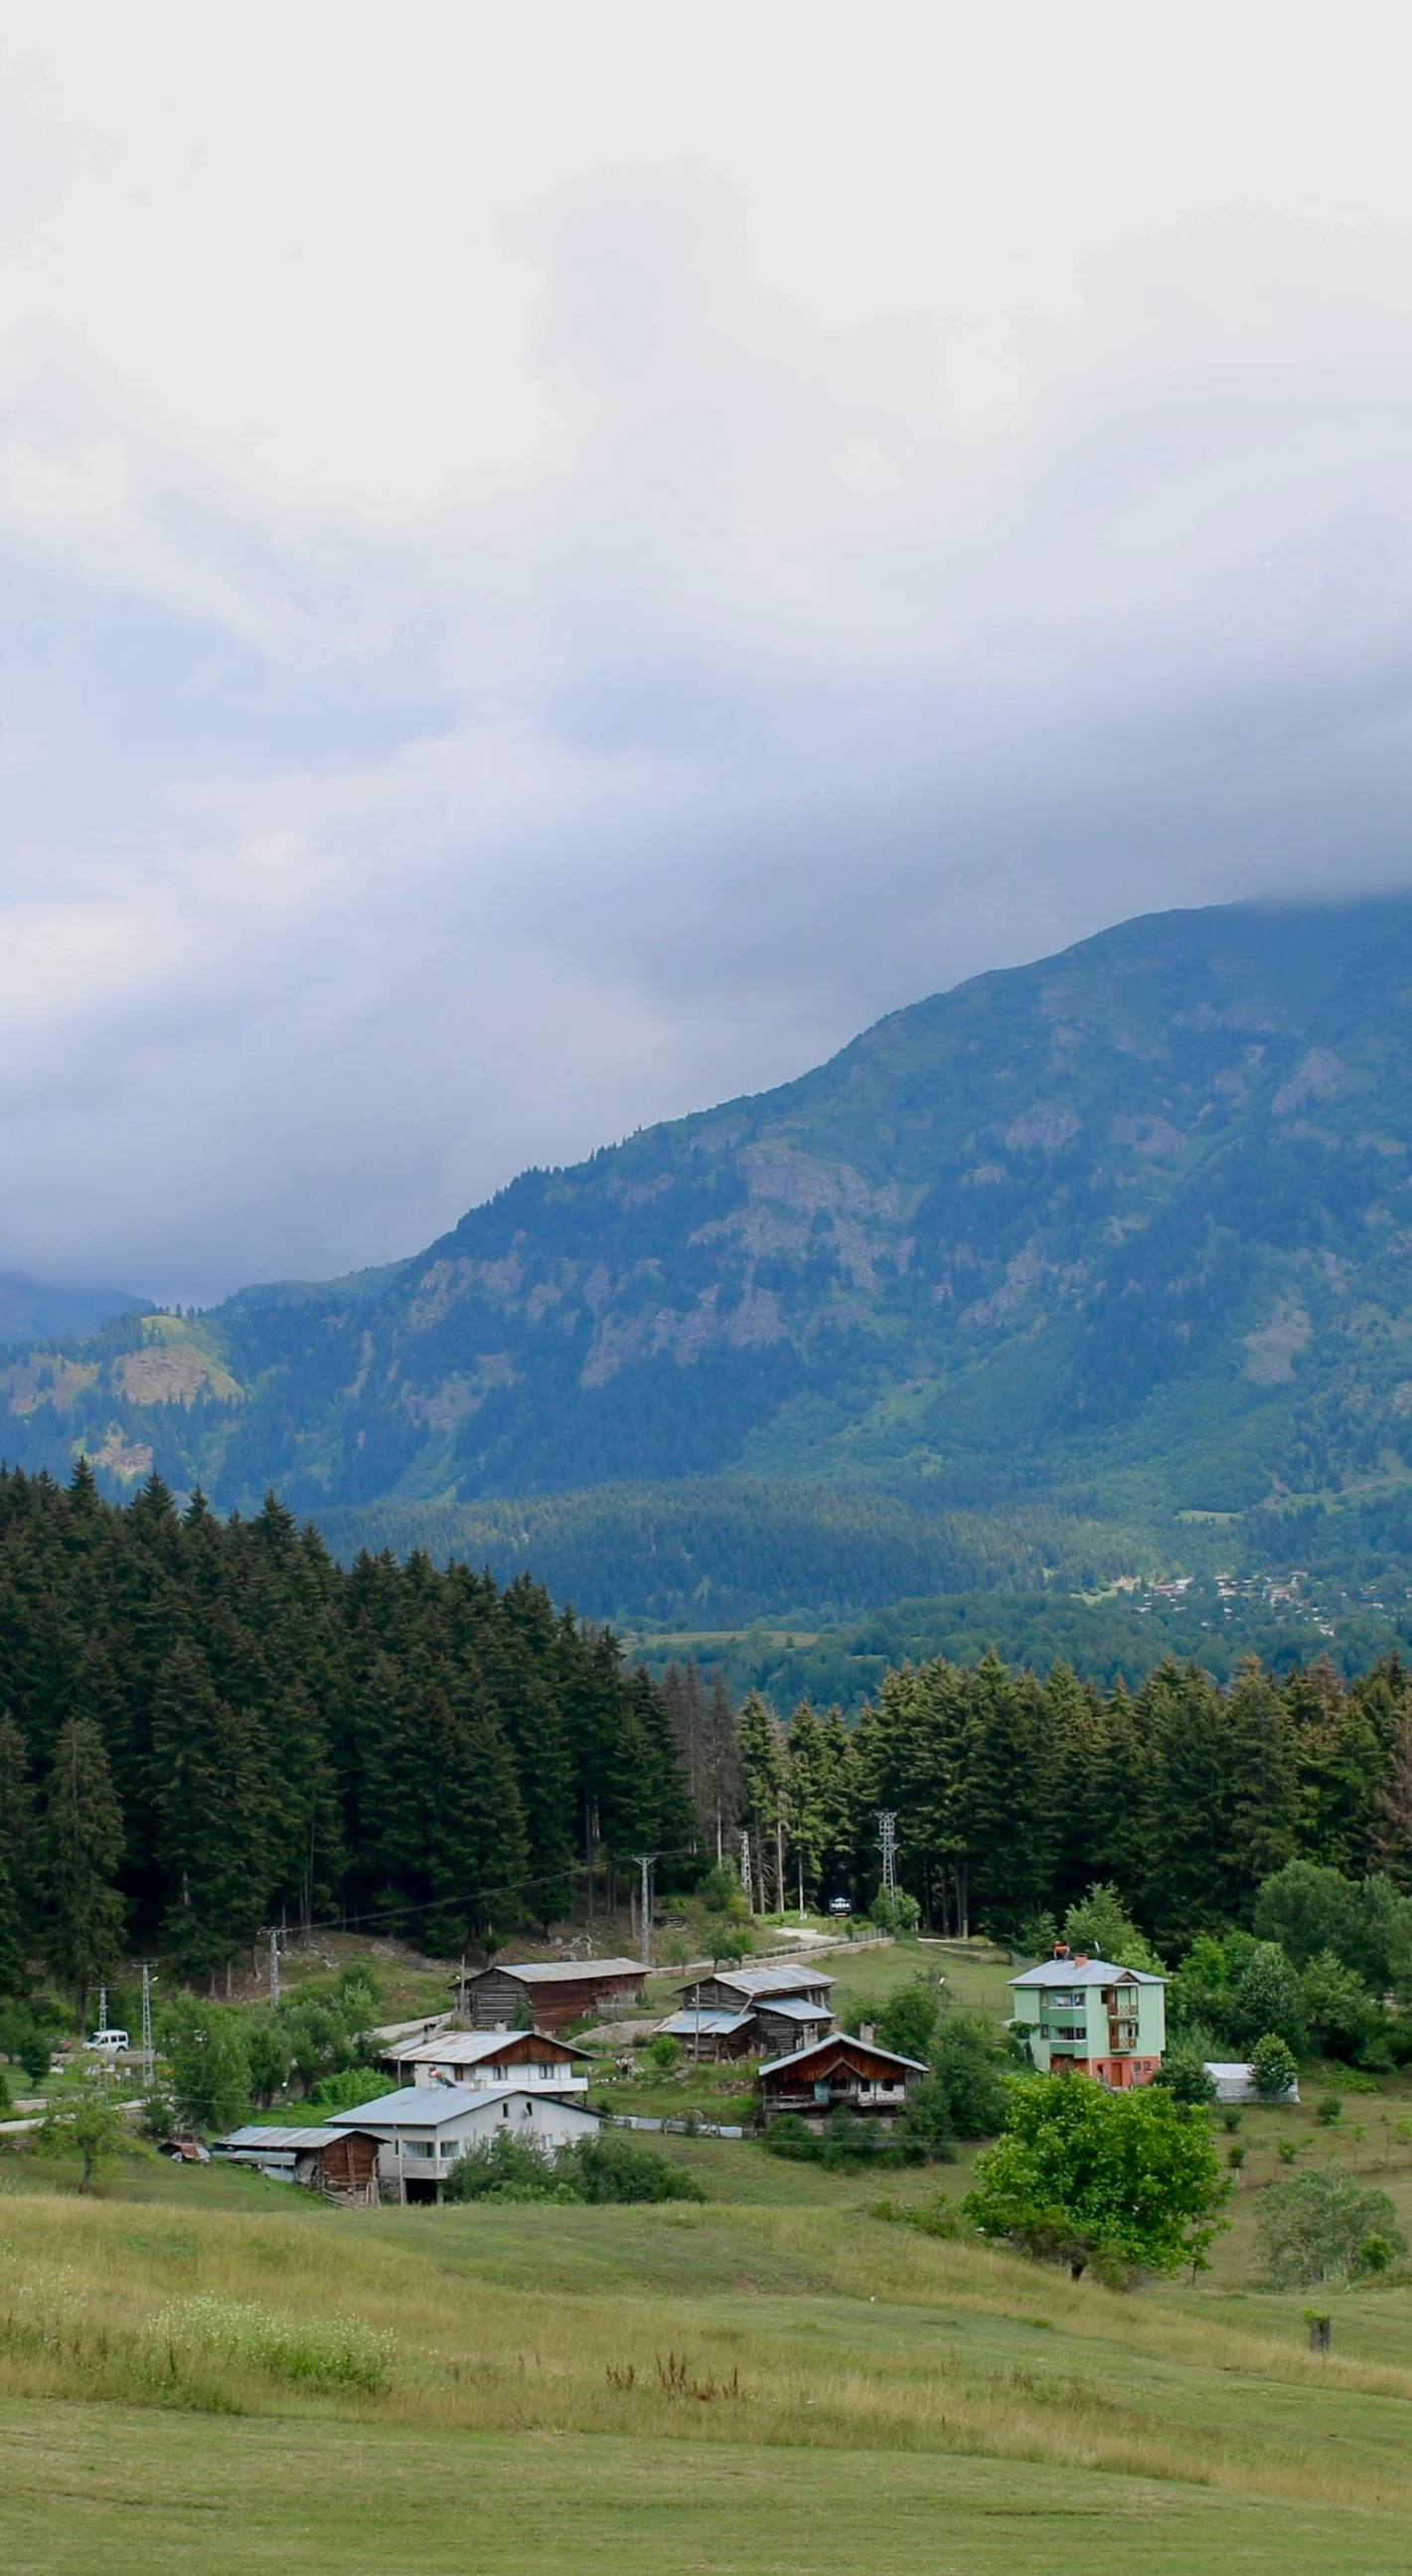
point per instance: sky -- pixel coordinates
(556, 562)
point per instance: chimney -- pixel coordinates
(868, 2033)
(1081, 1958)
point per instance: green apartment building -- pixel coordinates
(1086, 2017)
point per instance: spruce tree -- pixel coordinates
(81, 1846)
(18, 1850)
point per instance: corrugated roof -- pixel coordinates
(283, 2139)
(1086, 1972)
(546, 1972)
(842, 2039)
(430, 2106)
(791, 2007)
(711, 2021)
(472, 2047)
(773, 1980)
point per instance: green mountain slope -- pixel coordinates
(1124, 1234)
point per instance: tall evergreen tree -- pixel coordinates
(81, 1845)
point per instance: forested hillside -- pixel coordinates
(210, 1726)
(1124, 1235)
(207, 1727)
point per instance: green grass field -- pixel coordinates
(772, 2381)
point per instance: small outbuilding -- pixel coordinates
(339, 2162)
(711, 2033)
(1235, 2082)
(745, 1989)
(546, 1993)
(838, 2072)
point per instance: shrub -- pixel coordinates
(899, 1914)
(790, 2135)
(616, 2168)
(1231, 2118)
(504, 2167)
(1273, 2067)
(344, 2092)
(1330, 2109)
(968, 2062)
(937, 2217)
(1325, 2227)
(1185, 2077)
(1342, 2016)
(665, 2052)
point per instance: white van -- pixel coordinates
(110, 2041)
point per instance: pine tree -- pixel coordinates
(13, 1978)
(1183, 1718)
(764, 1782)
(18, 1850)
(1261, 1788)
(215, 1816)
(81, 1846)
(1007, 1798)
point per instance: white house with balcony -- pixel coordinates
(425, 2128)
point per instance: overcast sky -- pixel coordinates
(558, 560)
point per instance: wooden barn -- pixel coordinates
(340, 2163)
(546, 1993)
(745, 1989)
(838, 2071)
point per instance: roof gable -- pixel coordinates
(843, 2043)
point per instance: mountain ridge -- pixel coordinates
(1127, 1232)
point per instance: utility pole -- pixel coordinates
(646, 1862)
(779, 1856)
(149, 2061)
(274, 1967)
(887, 1827)
(102, 2008)
(801, 1887)
(745, 1878)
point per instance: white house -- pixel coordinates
(423, 2129)
(481, 2057)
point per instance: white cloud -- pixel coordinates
(559, 561)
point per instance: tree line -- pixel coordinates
(210, 1728)
(1014, 1795)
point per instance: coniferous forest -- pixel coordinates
(209, 1727)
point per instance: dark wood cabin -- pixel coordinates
(547, 1992)
(838, 2071)
(340, 2163)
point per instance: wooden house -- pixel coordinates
(342, 2163)
(546, 1993)
(490, 2057)
(839, 2071)
(743, 1989)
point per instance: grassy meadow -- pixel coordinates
(201, 2368)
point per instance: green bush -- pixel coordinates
(1325, 2227)
(899, 1914)
(345, 2092)
(907, 2021)
(665, 2052)
(1273, 2066)
(1330, 2109)
(1185, 2076)
(791, 2136)
(969, 2066)
(504, 2167)
(615, 2168)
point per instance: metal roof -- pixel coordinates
(711, 2021)
(777, 1979)
(283, 2139)
(791, 2007)
(471, 2047)
(430, 2106)
(842, 2039)
(552, 1972)
(1084, 1972)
